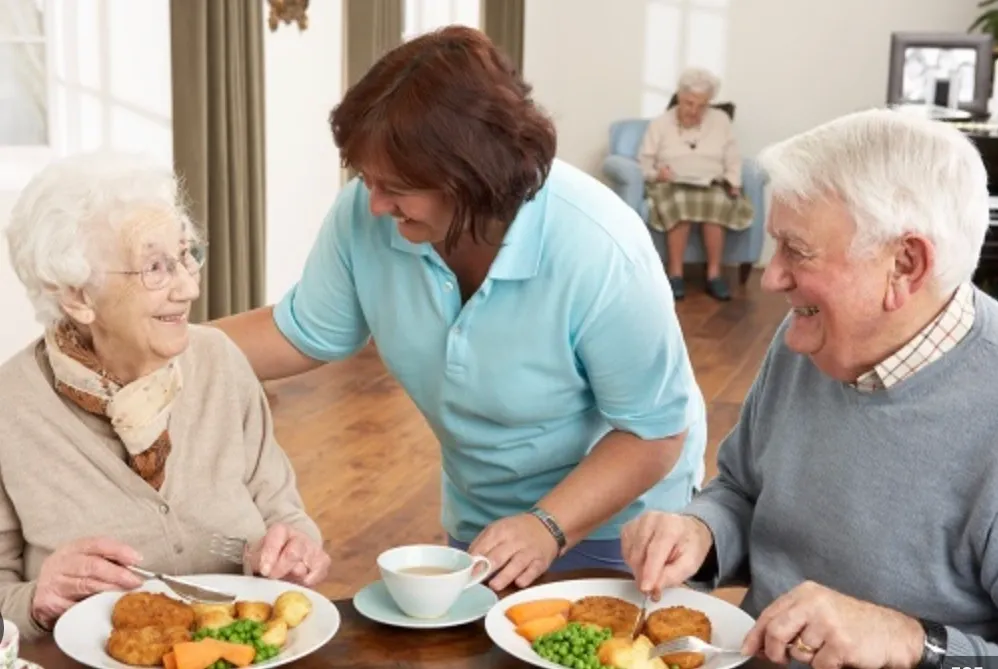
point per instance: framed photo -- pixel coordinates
(922, 65)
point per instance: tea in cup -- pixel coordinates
(426, 580)
(9, 645)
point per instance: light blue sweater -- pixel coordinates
(890, 497)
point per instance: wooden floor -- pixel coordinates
(368, 466)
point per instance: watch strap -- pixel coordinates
(552, 526)
(934, 646)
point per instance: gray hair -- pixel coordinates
(56, 216)
(896, 173)
(700, 81)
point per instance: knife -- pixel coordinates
(186, 589)
(639, 623)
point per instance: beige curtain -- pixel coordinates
(502, 21)
(373, 28)
(218, 144)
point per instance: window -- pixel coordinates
(422, 16)
(26, 133)
(82, 75)
(112, 76)
(681, 34)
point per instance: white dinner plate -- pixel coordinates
(729, 624)
(83, 630)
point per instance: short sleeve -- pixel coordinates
(321, 315)
(632, 348)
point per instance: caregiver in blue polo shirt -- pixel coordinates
(518, 301)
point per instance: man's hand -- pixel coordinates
(286, 553)
(828, 630)
(79, 569)
(520, 549)
(664, 549)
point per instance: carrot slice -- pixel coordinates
(196, 654)
(538, 627)
(238, 654)
(170, 661)
(524, 612)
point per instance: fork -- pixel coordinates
(690, 644)
(229, 548)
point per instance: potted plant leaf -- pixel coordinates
(987, 22)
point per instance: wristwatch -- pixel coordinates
(552, 525)
(934, 646)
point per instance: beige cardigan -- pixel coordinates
(64, 475)
(716, 154)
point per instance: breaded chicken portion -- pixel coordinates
(150, 609)
(674, 622)
(145, 646)
(613, 613)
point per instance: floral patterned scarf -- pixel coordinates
(139, 412)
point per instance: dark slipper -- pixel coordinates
(718, 289)
(678, 287)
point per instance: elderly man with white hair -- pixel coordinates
(693, 174)
(129, 436)
(858, 494)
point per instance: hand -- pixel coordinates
(733, 191)
(835, 630)
(286, 553)
(80, 569)
(664, 549)
(520, 549)
(665, 174)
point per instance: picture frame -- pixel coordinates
(918, 58)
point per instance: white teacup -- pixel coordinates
(9, 645)
(426, 581)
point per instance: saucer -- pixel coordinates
(375, 603)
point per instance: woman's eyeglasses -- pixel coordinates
(159, 271)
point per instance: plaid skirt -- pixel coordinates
(670, 203)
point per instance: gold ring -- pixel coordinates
(803, 647)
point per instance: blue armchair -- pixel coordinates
(742, 248)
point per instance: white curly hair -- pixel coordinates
(50, 236)
(700, 81)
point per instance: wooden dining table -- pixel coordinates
(363, 643)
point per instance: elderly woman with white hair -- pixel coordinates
(857, 496)
(129, 436)
(693, 174)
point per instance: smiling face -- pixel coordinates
(839, 301)
(421, 215)
(138, 322)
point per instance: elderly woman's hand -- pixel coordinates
(80, 569)
(828, 630)
(664, 549)
(286, 553)
(665, 174)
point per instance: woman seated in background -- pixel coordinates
(693, 172)
(129, 436)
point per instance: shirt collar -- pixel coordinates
(520, 254)
(931, 343)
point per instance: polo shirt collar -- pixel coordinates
(520, 254)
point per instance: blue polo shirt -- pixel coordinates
(572, 333)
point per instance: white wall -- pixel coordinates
(303, 83)
(788, 65)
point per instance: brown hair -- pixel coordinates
(448, 112)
